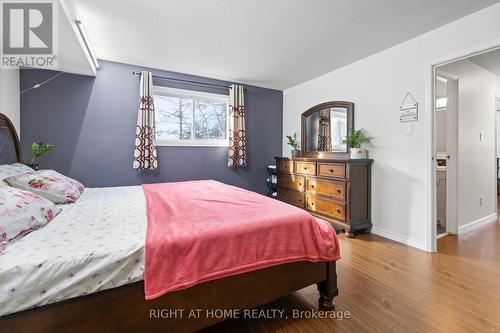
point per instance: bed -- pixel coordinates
(72, 276)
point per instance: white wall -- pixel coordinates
(441, 89)
(402, 177)
(9, 95)
(498, 126)
(498, 133)
(477, 91)
(441, 121)
(441, 124)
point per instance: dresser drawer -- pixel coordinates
(291, 182)
(292, 197)
(305, 168)
(336, 170)
(285, 166)
(328, 187)
(325, 206)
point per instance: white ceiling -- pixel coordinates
(270, 43)
(489, 61)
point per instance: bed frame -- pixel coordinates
(9, 142)
(124, 309)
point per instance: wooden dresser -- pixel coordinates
(336, 190)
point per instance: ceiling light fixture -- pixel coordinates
(87, 43)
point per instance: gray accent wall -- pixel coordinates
(92, 122)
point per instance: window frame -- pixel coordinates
(186, 93)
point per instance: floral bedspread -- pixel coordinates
(94, 244)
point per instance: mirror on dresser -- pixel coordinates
(324, 127)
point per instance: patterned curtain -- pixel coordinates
(237, 135)
(324, 137)
(145, 141)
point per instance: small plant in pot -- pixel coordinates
(38, 149)
(356, 140)
(292, 141)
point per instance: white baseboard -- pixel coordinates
(421, 245)
(477, 223)
(399, 238)
(443, 235)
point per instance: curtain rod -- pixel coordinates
(188, 81)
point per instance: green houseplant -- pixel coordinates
(38, 149)
(356, 140)
(292, 141)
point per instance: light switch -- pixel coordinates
(408, 130)
(481, 136)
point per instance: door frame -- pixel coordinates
(430, 124)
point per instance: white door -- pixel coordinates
(452, 150)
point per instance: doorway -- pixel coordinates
(466, 163)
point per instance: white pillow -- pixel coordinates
(49, 184)
(21, 212)
(8, 170)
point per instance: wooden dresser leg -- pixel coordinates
(328, 288)
(349, 233)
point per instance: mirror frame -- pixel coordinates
(350, 125)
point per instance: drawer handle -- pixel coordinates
(300, 184)
(312, 203)
(312, 186)
(331, 170)
(338, 210)
(305, 168)
(300, 200)
(338, 191)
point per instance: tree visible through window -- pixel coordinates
(187, 117)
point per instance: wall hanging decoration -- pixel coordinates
(408, 111)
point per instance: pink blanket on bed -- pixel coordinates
(204, 230)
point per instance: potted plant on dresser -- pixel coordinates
(292, 141)
(356, 140)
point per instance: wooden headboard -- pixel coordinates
(10, 148)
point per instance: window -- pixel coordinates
(190, 118)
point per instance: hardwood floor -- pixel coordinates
(390, 287)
